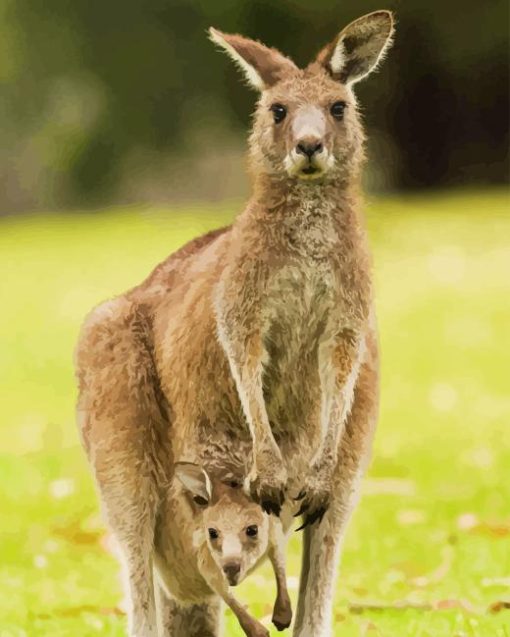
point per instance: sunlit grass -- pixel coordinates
(432, 532)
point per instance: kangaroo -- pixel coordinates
(212, 543)
(263, 331)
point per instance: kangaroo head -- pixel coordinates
(233, 525)
(306, 124)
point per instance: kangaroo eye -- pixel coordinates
(279, 111)
(213, 534)
(252, 531)
(234, 484)
(337, 110)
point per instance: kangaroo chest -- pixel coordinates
(298, 300)
(296, 309)
(301, 288)
(306, 300)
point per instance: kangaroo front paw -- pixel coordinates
(282, 614)
(314, 497)
(269, 493)
(267, 486)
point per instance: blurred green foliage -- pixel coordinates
(427, 552)
(97, 95)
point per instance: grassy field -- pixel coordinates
(428, 551)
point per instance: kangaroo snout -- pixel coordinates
(309, 147)
(232, 571)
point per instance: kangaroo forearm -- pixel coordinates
(341, 364)
(280, 577)
(217, 583)
(243, 616)
(249, 387)
(245, 354)
(276, 556)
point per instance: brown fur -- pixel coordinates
(260, 336)
(271, 65)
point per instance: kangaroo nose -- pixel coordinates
(309, 148)
(232, 570)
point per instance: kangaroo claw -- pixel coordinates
(271, 507)
(304, 508)
(313, 517)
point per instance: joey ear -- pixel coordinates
(359, 47)
(262, 66)
(195, 480)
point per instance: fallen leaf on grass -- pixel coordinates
(470, 523)
(492, 530)
(442, 604)
(76, 535)
(357, 608)
(449, 604)
(118, 612)
(78, 531)
(76, 611)
(369, 628)
(497, 607)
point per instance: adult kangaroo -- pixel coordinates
(263, 331)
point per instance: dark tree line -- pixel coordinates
(88, 83)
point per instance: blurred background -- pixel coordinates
(127, 100)
(123, 136)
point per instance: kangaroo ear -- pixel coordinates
(262, 66)
(359, 47)
(195, 480)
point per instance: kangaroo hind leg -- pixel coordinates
(121, 420)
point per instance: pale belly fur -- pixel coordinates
(296, 311)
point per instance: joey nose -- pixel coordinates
(232, 570)
(309, 147)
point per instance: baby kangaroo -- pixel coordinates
(209, 536)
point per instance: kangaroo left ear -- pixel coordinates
(359, 48)
(195, 480)
(261, 66)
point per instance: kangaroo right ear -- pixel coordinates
(195, 480)
(262, 66)
(359, 48)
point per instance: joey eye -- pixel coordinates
(200, 500)
(234, 484)
(252, 531)
(213, 534)
(337, 110)
(279, 111)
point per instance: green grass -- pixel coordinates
(428, 550)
